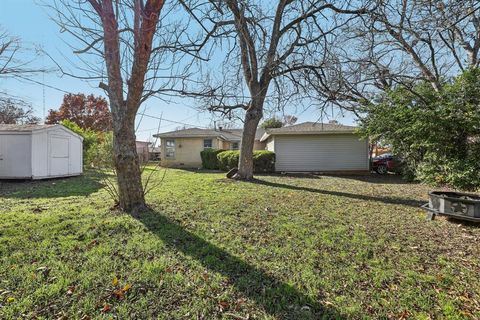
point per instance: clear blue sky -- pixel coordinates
(29, 21)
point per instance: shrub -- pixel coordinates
(228, 160)
(101, 157)
(263, 161)
(209, 158)
(437, 136)
(97, 145)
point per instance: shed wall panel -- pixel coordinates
(39, 154)
(15, 155)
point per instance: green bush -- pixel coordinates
(101, 157)
(209, 158)
(97, 145)
(437, 133)
(228, 160)
(263, 161)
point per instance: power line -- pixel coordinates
(172, 121)
(143, 114)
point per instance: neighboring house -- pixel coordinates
(317, 147)
(39, 152)
(181, 148)
(154, 153)
(142, 150)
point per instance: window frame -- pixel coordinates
(235, 143)
(170, 147)
(211, 143)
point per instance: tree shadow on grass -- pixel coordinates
(83, 185)
(363, 177)
(387, 200)
(277, 298)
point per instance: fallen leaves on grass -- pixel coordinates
(70, 290)
(106, 308)
(92, 244)
(223, 305)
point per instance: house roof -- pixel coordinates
(24, 127)
(309, 128)
(225, 134)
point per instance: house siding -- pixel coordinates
(259, 145)
(322, 152)
(270, 144)
(187, 152)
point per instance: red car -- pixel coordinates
(386, 163)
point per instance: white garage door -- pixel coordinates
(320, 153)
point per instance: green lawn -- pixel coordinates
(308, 247)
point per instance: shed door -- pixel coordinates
(320, 153)
(15, 156)
(59, 155)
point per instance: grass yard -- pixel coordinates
(313, 247)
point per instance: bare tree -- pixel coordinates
(263, 45)
(399, 43)
(11, 64)
(16, 111)
(15, 64)
(9, 47)
(126, 46)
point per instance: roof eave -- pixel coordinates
(186, 136)
(265, 136)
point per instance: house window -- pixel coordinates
(207, 144)
(234, 145)
(170, 149)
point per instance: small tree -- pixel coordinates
(272, 123)
(89, 112)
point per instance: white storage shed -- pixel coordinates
(39, 152)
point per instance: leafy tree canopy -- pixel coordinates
(275, 122)
(88, 112)
(272, 123)
(437, 133)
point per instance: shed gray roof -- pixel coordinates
(33, 127)
(226, 134)
(309, 128)
(24, 127)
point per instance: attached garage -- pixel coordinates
(39, 152)
(317, 147)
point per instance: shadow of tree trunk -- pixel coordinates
(277, 298)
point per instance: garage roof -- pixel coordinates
(309, 128)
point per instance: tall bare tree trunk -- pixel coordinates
(245, 161)
(146, 16)
(130, 189)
